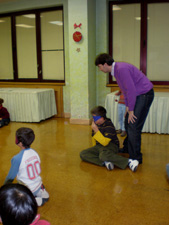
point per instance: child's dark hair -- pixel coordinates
(1, 101)
(104, 58)
(99, 111)
(26, 136)
(17, 205)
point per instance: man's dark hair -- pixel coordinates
(17, 205)
(26, 136)
(104, 58)
(99, 111)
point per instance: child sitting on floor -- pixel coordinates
(106, 144)
(18, 206)
(26, 166)
(4, 114)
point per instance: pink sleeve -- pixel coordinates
(39, 222)
(42, 222)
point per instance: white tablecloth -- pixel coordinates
(29, 104)
(158, 117)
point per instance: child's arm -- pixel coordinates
(101, 139)
(98, 136)
(15, 163)
(93, 141)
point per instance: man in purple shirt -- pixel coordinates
(138, 93)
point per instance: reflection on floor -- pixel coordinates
(85, 194)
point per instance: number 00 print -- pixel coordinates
(33, 170)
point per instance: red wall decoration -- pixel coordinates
(77, 36)
(76, 26)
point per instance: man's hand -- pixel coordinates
(132, 118)
(94, 127)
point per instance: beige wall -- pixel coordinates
(85, 87)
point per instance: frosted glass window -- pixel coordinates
(126, 33)
(52, 45)
(6, 63)
(53, 67)
(158, 42)
(26, 46)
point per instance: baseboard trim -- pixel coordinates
(80, 121)
(67, 115)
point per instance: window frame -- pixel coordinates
(143, 33)
(37, 12)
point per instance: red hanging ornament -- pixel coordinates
(77, 36)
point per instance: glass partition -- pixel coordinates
(6, 63)
(52, 45)
(26, 46)
(158, 42)
(126, 33)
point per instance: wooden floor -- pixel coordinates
(85, 194)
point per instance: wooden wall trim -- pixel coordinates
(80, 121)
(67, 115)
(58, 87)
(157, 88)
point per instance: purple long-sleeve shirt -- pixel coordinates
(132, 82)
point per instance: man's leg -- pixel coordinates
(142, 106)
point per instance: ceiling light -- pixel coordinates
(115, 7)
(59, 23)
(31, 16)
(138, 18)
(24, 25)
